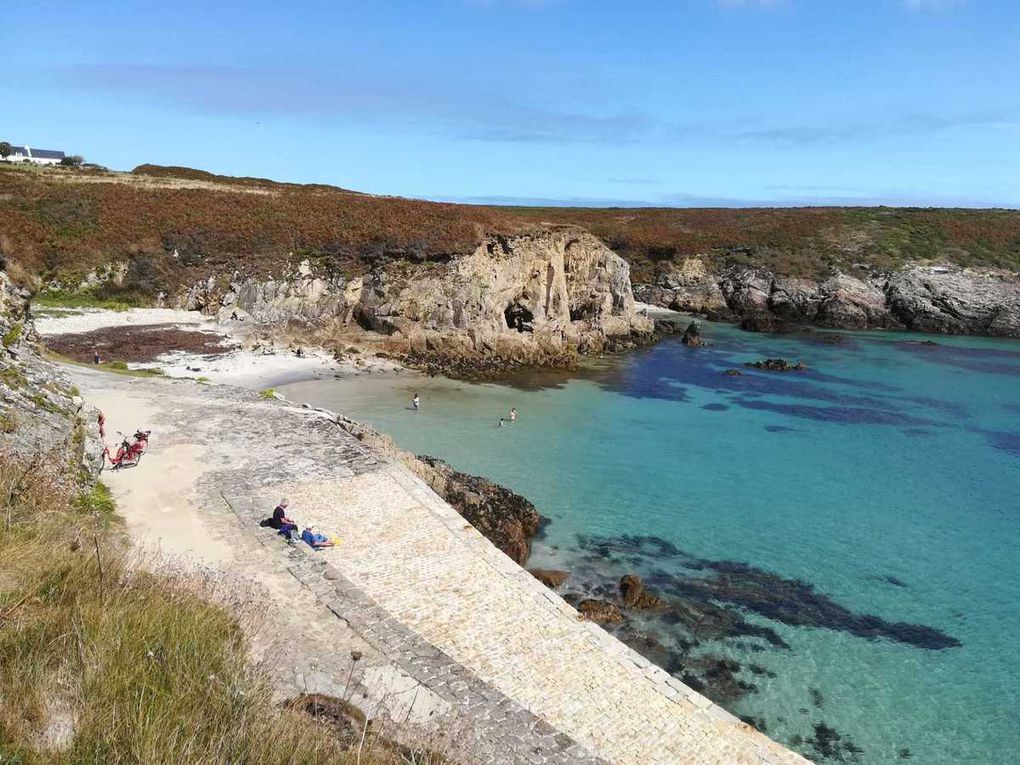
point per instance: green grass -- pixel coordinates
(268, 393)
(86, 299)
(141, 666)
(116, 367)
(97, 500)
(121, 367)
(13, 335)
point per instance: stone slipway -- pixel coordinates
(415, 617)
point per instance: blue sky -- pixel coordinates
(676, 102)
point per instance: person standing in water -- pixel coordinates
(416, 402)
(513, 414)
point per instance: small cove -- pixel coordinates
(882, 482)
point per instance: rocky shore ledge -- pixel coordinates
(940, 299)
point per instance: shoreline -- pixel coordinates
(384, 515)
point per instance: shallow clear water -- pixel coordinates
(887, 477)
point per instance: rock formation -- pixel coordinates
(636, 595)
(925, 298)
(776, 365)
(599, 611)
(534, 298)
(39, 414)
(692, 336)
(550, 577)
(505, 518)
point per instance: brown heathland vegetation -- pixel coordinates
(58, 222)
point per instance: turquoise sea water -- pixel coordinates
(887, 477)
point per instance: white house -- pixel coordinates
(38, 156)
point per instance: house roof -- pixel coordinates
(37, 153)
(46, 154)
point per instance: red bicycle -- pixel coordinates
(129, 453)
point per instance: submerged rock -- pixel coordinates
(551, 578)
(764, 322)
(600, 611)
(777, 365)
(692, 335)
(634, 594)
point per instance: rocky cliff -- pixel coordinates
(940, 299)
(40, 415)
(535, 298)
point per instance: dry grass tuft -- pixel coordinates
(102, 661)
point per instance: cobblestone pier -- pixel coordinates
(415, 617)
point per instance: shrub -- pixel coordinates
(13, 335)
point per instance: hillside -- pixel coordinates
(56, 222)
(805, 241)
(60, 220)
(172, 231)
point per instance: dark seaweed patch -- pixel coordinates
(715, 407)
(697, 600)
(779, 429)
(988, 360)
(841, 415)
(1006, 441)
(796, 603)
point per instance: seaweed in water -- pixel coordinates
(698, 600)
(828, 744)
(796, 603)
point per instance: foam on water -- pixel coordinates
(886, 477)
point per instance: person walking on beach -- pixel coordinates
(95, 355)
(416, 402)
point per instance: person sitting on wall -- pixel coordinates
(284, 526)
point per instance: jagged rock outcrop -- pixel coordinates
(599, 611)
(692, 336)
(941, 299)
(688, 286)
(504, 517)
(39, 413)
(636, 595)
(528, 299)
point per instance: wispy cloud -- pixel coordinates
(932, 5)
(750, 3)
(398, 100)
(407, 100)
